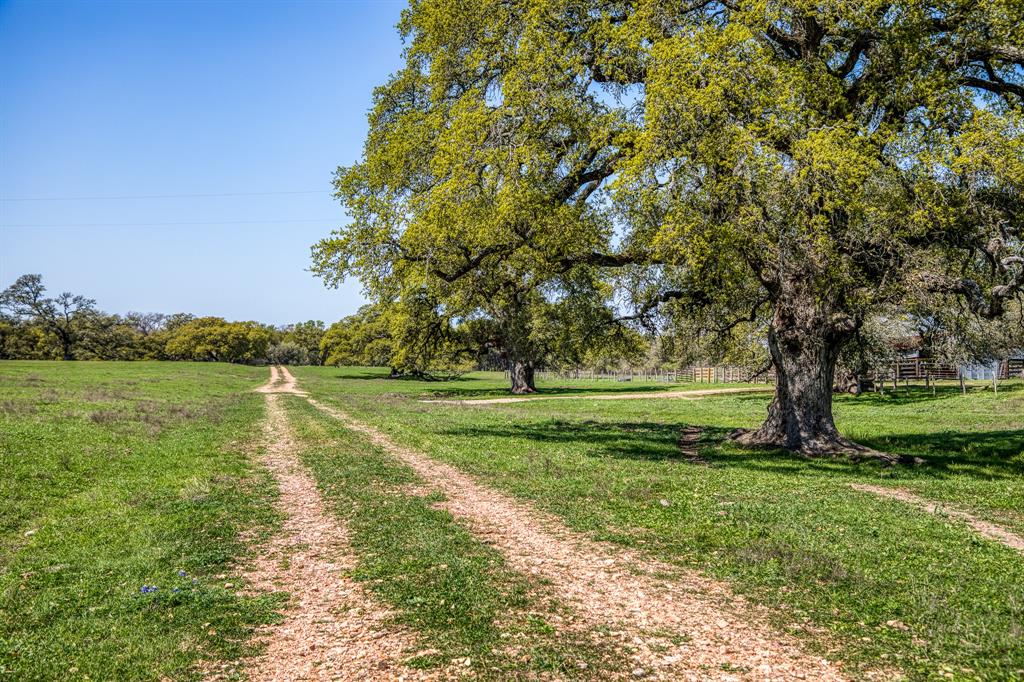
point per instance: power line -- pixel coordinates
(164, 196)
(176, 223)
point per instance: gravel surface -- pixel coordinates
(676, 624)
(332, 629)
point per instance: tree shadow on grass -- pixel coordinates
(460, 392)
(982, 454)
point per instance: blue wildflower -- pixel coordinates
(182, 573)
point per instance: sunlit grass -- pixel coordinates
(889, 585)
(123, 491)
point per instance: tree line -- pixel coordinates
(35, 326)
(417, 341)
(411, 339)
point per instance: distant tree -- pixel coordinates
(10, 331)
(361, 339)
(951, 335)
(409, 336)
(874, 349)
(109, 337)
(61, 316)
(151, 331)
(146, 324)
(175, 321)
(288, 353)
(215, 339)
(308, 336)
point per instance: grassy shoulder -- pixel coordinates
(468, 608)
(124, 489)
(889, 584)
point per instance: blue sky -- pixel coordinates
(148, 99)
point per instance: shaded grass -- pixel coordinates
(450, 587)
(889, 585)
(122, 476)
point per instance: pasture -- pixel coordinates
(118, 478)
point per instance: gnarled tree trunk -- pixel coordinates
(521, 372)
(804, 341)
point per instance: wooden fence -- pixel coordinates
(905, 370)
(700, 375)
(921, 369)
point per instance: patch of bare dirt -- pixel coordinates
(332, 629)
(679, 625)
(985, 528)
(689, 445)
(683, 395)
(281, 381)
(273, 383)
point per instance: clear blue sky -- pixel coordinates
(133, 99)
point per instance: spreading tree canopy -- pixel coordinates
(63, 316)
(800, 163)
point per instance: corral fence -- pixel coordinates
(921, 369)
(699, 375)
(904, 371)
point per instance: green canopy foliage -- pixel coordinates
(796, 164)
(214, 339)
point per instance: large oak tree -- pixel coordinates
(801, 163)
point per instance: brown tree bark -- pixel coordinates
(521, 372)
(804, 341)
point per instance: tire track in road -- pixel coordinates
(332, 629)
(678, 624)
(984, 528)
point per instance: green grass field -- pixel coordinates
(786, 531)
(119, 476)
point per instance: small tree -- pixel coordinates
(214, 339)
(307, 335)
(361, 339)
(288, 353)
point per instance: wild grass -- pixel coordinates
(118, 477)
(123, 490)
(872, 582)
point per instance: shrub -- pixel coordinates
(288, 353)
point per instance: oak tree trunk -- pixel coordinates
(804, 343)
(521, 372)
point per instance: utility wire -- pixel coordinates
(164, 196)
(178, 223)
